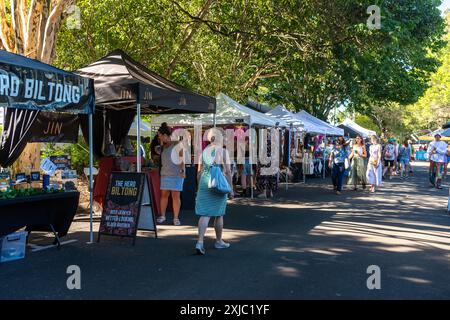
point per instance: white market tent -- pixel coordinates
(288, 117)
(315, 125)
(145, 129)
(365, 133)
(228, 111)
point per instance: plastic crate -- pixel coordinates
(12, 246)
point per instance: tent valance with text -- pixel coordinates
(121, 83)
(30, 84)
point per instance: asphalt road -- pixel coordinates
(307, 243)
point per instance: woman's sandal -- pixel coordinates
(161, 219)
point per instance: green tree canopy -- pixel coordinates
(310, 54)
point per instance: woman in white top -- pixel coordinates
(374, 170)
(437, 152)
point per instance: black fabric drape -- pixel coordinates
(97, 131)
(120, 123)
(16, 134)
(286, 148)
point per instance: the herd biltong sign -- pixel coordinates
(27, 88)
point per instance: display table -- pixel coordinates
(48, 212)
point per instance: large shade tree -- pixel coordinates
(433, 109)
(30, 28)
(310, 54)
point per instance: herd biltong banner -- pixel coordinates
(122, 204)
(55, 127)
(23, 87)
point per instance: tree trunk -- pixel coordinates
(32, 33)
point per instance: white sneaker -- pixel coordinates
(176, 222)
(200, 249)
(221, 245)
(161, 219)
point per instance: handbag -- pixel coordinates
(373, 162)
(217, 181)
(346, 164)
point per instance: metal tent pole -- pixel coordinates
(304, 161)
(288, 157)
(251, 162)
(323, 169)
(448, 205)
(138, 142)
(91, 180)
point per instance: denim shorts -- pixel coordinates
(171, 183)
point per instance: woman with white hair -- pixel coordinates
(209, 203)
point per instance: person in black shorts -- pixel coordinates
(389, 156)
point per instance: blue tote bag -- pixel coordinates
(217, 182)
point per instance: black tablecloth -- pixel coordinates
(189, 189)
(37, 213)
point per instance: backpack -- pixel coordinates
(388, 152)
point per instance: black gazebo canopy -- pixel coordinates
(122, 83)
(29, 87)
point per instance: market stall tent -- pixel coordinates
(352, 128)
(445, 135)
(124, 89)
(315, 125)
(121, 83)
(288, 117)
(28, 87)
(144, 126)
(349, 132)
(228, 112)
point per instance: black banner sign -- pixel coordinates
(24, 87)
(123, 204)
(55, 127)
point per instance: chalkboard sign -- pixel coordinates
(21, 177)
(35, 176)
(61, 162)
(123, 204)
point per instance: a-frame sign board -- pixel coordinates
(128, 206)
